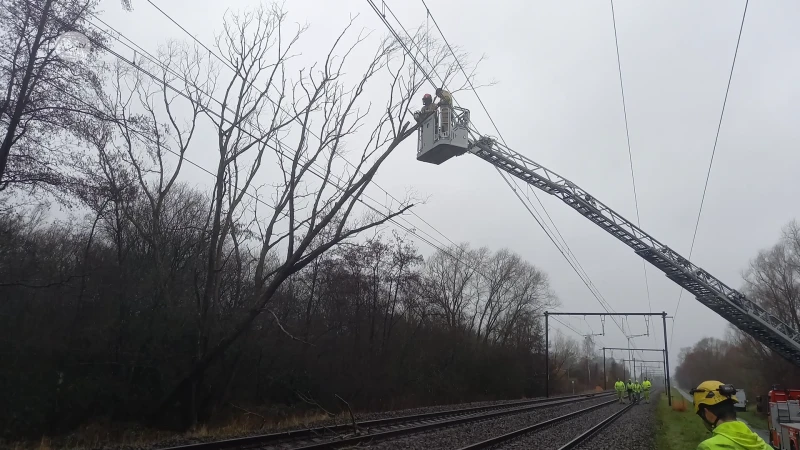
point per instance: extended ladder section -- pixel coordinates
(725, 301)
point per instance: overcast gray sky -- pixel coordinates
(558, 102)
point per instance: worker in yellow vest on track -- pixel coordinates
(629, 388)
(619, 387)
(646, 385)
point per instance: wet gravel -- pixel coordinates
(438, 408)
(560, 433)
(181, 440)
(462, 435)
(635, 430)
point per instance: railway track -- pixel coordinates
(379, 429)
(576, 428)
(587, 435)
(498, 441)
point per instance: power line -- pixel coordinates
(500, 135)
(227, 64)
(537, 219)
(485, 109)
(591, 334)
(568, 326)
(146, 72)
(442, 250)
(535, 215)
(393, 220)
(412, 230)
(713, 152)
(278, 141)
(630, 152)
(589, 283)
(282, 146)
(597, 295)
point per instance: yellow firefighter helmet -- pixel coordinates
(710, 393)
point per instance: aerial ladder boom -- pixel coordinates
(441, 141)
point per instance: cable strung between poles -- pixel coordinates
(494, 124)
(711, 162)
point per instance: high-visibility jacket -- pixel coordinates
(646, 385)
(637, 387)
(619, 386)
(630, 386)
(733, 435)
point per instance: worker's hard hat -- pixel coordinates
(711, 393)
(426, 97)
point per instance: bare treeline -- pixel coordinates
(773, 282)
(158, 299)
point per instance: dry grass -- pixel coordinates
(679, 405)
(103, 434)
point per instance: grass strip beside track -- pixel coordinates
(678, 430)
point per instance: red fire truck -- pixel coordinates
(783, 417)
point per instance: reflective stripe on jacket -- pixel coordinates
(733, 435)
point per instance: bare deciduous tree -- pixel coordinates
(44, 93)
(170, 297)
(318, 197)
(451, 274)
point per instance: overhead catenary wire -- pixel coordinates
(177, 91)
(228, 65)
(537, 219)
(630, 152)
(469, 81)
(589, 284)
(275, 149)
(711, 161)
(595, 340)
(393, 220)
(441, 248)
(413, 230)
(586, 281)
(534, 213)
(597, 295)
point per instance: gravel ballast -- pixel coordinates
(438, 408)
(559, 434)
(462, 435)
(181, 440)
(635, 430)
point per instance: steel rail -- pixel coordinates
(437, 424)
(591, 432)
(317, 432)
(491, 442)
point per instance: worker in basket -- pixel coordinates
(646, 385)
(428, 108)
(445, 110)
(619, 387)
(714, 403)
